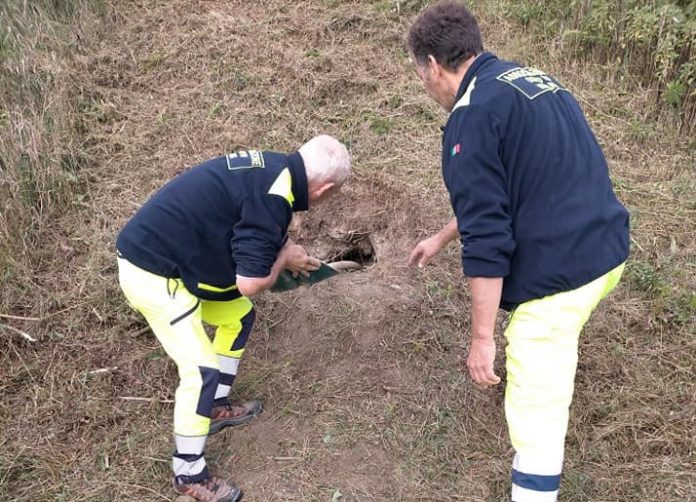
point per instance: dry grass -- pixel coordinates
(360, 375)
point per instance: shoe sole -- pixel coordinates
(235, 496)
(231, 422)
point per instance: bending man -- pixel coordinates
(203, 244)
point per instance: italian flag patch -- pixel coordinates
(455, 149)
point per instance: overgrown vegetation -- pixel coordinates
(43, 136)
(653, 40)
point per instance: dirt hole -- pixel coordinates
(355, 247)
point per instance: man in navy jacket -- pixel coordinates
(194, 252)
(542, 233)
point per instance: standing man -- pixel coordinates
(203, 244)
(542, 233)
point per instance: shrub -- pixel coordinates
(655, 40)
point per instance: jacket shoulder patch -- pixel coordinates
(530, 81)
(245, 159)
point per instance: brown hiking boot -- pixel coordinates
(212, 489)
(229, 414)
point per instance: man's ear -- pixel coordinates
(434, 67)
(323, 189)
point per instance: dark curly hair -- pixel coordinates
(448, 31)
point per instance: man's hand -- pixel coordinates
(292, 257)
(485, 299)
(424, 251)
(297, 260)
(480, 361)
(427, 248)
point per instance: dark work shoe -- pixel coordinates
(230, 414)
(213, 489)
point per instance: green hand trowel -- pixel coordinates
(287, 282)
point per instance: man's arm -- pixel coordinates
(292, 256)
(485, 299)
(259, 247)
(427, 248)
(477, 182)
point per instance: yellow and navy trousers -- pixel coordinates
(206, 369)
(541, 360)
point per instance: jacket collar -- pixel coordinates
(480, 60)
(299, 182)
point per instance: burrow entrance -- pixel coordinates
(354, 246)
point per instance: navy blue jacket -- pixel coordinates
(227, 216)
(529, 184)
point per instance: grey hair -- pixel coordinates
(326, 160)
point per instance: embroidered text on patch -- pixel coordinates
(530, 81)
(245, 159)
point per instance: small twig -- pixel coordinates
(634, 241)
(285, 459)
(102, 370)
(36, 319)
(148, 399)
(24, 335)
(62, 310)
(397, 390)
(141, 331)
(96, 313)
(145, 488)
(19, 317)
(154, 459)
